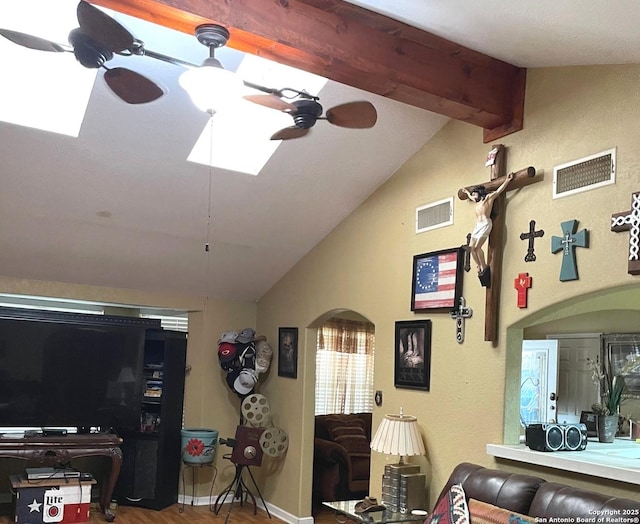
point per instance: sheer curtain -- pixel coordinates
(344, 367)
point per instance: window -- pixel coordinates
(344, 367)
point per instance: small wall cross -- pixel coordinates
(531, 235)
(630, 221)
(459, 315)
(522, 284)
(567, 244)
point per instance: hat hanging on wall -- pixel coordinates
(227, 355)
(238, 356)
(264, 353)
(245, 382)
(229, 336)
(246, 335)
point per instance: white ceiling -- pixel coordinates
(120, 206)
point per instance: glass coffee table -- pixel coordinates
(347, 508)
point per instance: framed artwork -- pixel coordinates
(288, 352)
(413, 354)
(437, 280)
(589, 419)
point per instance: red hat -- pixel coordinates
(226, 353)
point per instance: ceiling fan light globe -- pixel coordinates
(210, 86)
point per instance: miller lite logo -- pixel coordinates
(53, 507)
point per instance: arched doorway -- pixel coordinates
(343, 398)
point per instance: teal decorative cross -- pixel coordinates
(567, 244)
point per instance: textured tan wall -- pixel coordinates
(365, 265)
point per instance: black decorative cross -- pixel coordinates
(459, 315)
(567, 244)
(630, 221)
(531, 235)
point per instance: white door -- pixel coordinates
(575, 385)
(538, 381)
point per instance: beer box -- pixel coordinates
(51, 500)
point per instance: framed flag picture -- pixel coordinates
(437, 280)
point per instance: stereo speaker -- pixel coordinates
(556, 437)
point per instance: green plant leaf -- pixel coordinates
(615, 394)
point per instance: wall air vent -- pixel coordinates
(434, 215)
(584, 174)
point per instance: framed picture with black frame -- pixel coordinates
(288, 352)
(412, 362)
(437, 280)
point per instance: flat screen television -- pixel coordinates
(70, 371)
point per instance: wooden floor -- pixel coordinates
(191, 514)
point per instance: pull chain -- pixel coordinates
(207, 245)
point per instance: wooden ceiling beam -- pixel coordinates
(354, 46)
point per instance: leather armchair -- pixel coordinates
(342, 457)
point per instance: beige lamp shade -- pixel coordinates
(398, 435)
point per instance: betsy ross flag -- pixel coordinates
(435, 285)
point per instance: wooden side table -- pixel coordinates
(50, 451)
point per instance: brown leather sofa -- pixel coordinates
(536, 497)
(342, 457)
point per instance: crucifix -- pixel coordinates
(531, 236)
(497, 162)
(567, 243)
(630, 221)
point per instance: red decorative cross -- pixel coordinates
(521, 284)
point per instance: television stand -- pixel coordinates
(51, 450)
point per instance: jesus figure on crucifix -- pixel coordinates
(484, 204)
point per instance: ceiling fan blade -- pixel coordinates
(132, 87)
(289, 132)
(104, 29)
(355, 115)
(271, 101)
(32, 42)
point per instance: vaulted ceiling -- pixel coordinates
(119, 205)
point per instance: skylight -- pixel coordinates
(47, 91)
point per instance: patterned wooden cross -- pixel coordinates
(567, 244)
(531, 235)
(630, 221)
(522, 284)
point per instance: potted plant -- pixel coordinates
(610, 388)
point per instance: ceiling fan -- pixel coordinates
(94, 43)
(306, 111)
(99, 37)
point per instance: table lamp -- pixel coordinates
(402, 484)
(398, 435)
